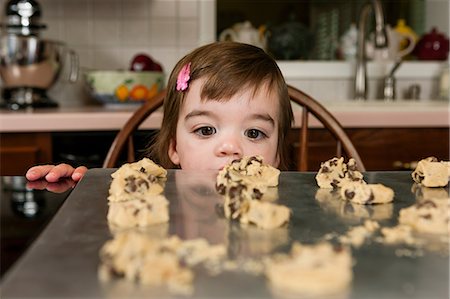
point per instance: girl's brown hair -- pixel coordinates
(227, 67)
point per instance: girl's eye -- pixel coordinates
(255, 134)
(205, 131)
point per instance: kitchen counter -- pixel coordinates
(376, 114)
(64, 262)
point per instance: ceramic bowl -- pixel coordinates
(123, 87)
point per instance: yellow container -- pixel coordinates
(402, 28)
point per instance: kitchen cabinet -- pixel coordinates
(20, 150)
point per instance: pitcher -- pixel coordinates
(244, 33)
(394, 51)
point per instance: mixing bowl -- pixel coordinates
(119, 87)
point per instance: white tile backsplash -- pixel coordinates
(163, 8)
(113, 58)
(163, 32)
(133, 9)
(107, 9)
(50, 8)
(76, 33)
(188, 9)
(188, 32)
(80, 9)
(135, 33)
(107, 34)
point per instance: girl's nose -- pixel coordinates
(229, 147)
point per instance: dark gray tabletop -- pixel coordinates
(63, 262)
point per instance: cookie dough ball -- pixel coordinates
(431, 173)
(367, 193)
(331, 172)
(427, 216)
(139, 212)
(251, 169)
(246, 183)
(334, 172)
(266, 215)
(311, 270)
(137, 181)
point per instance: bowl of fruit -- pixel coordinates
(143, 80)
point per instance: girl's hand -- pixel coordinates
(53, 173)
(61, 186)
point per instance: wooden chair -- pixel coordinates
(309, 105)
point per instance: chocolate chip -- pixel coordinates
(351, 167)
(141, 182)
(371, 197)
(221, 189)
(236, 191)
(152, 178)
(325, 169)
(130, 184)
(257, 194)
(334, 184)
(334, 162)
(418, 177)
(349, 194)
(427, 216)
(143, 170)
(236, 161)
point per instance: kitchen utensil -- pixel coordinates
(29, 66)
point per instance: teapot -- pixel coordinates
(432, 46)
(244, 32)
(394, 50)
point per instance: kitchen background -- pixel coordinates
(106, 34)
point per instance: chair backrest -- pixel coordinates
(308, 104)
(330, 123)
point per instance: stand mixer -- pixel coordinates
(29, 65)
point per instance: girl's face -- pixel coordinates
(211, 133)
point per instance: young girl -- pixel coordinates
(224, 100)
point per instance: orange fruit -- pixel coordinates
(121, 92)
(139, 92)
(152, 91)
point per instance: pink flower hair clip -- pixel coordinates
(183, 77)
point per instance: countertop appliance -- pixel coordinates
(29, 65)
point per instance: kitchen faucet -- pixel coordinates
(380, 44)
